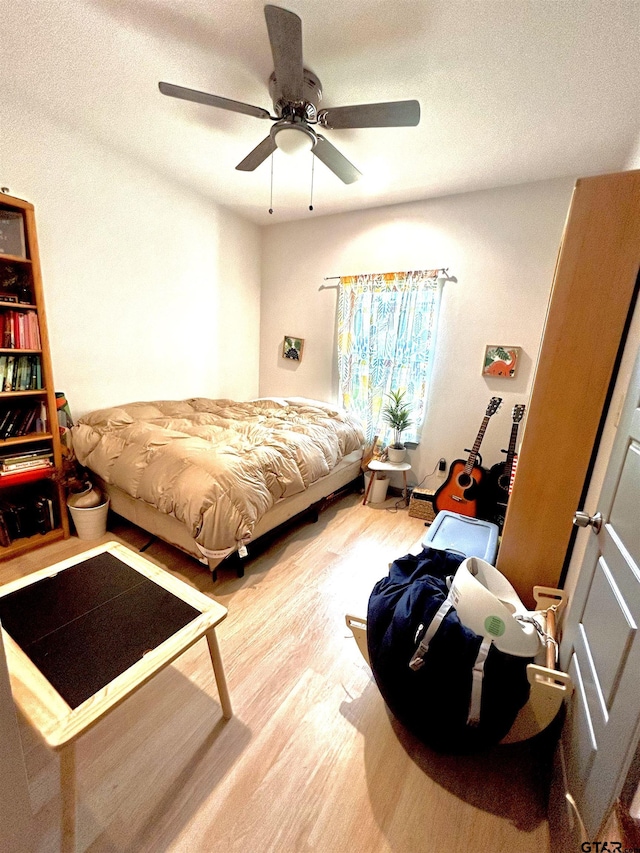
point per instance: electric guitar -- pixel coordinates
(499, 479)
(460, 491)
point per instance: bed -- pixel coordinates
(209, 476)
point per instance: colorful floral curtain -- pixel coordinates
(386, 339)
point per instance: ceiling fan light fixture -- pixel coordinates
(292, 138)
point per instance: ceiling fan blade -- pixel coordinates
(285, 35)
(212, 100)
(390, 114)
(258, 155)
(334, 160)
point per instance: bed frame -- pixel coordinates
(174, 532)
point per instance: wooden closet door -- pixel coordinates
(593, 289)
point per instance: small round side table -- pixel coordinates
(374, 465)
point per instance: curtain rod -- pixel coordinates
(444, 270)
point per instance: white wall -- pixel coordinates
(151, 292)
(500, 244)
(634, 158)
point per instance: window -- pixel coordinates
(386, 339)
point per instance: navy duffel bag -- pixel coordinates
(423, 659)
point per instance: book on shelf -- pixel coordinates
(16, 478)
(24, 454)
(34, 331)
(8, 460)
(8, 338)
(20, 330)
(29, 419)
(25, 517)
(20, 420)
(27, 465)
(26, 462)
(9, 429)
(23, 373)
(42, 420)
(20, 467)
(8, 381)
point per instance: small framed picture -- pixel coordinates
(292, 348)
(12, 240)
(501, 361)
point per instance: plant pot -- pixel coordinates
(88, 497)
(396, 454)
(378, 493)
(90, 522)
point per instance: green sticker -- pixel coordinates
(494, 625)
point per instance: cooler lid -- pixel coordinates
(471, 537)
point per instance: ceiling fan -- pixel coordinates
(296, 93)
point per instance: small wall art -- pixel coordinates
(501, 361)
(292, 348)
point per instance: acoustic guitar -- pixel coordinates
(499, 479)
(461, 490)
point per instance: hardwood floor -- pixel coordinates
(312, 760)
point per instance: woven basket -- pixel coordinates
(421, 505)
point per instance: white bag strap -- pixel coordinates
(476, 685)
(417, 661)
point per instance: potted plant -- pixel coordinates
(397, 413)
(86, 503)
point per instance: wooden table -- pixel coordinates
(84, 634)
(375, 465)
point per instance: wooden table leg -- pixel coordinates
(68, 798)
(406, 496)
(218, 671)
(366, 494)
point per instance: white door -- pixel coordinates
(601, 643)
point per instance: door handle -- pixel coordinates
(583, 519)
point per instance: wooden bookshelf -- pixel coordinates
(38, 493)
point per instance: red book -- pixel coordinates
(26, 476)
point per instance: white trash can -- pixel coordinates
(90, 522)
(378, 493)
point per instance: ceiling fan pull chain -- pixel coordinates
(313, 163)
(271, 195)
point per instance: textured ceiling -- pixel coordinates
(510, 90)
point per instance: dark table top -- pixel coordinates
(89, 623)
